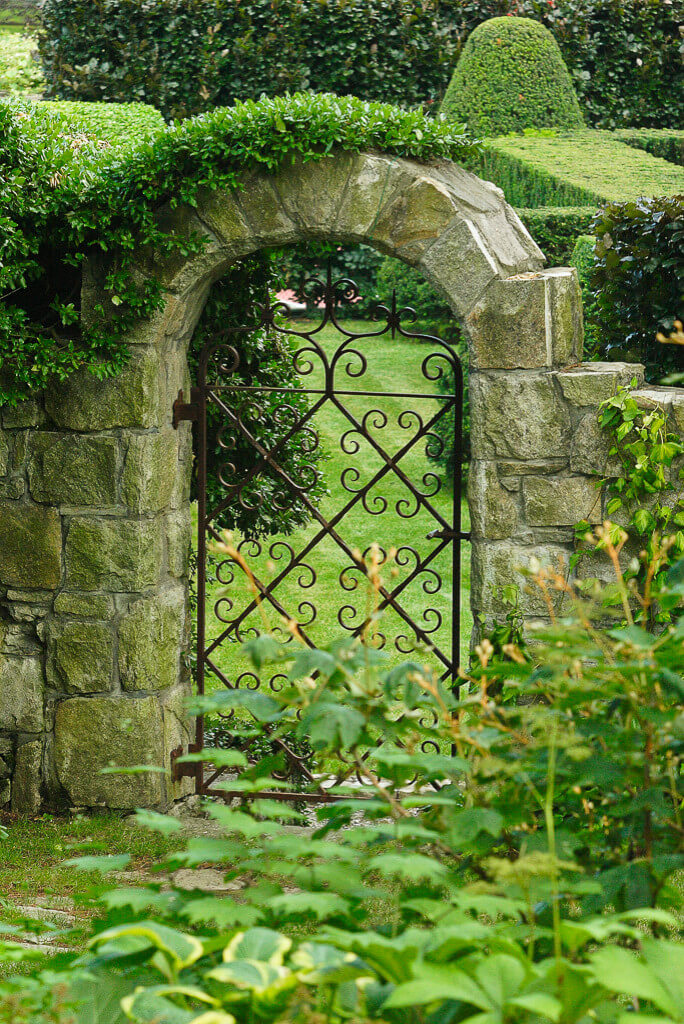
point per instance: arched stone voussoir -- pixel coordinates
(456, 228)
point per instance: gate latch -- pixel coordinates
(183, 410)
(181, 769)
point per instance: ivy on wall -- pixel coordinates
(64, 198)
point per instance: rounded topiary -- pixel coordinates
(511, 76)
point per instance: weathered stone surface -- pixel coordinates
(4, 456)
(498, 565)
(27, 778)
(589, 448)
(493, 510)
(80, 656)
(507, 327)
(311, 191)
(178, 542)
(21, 694)
(677, 412)
(6, 758)
(25, 414)
(219, 210)
(178, 730)
(150, 641)
(565, 323)
(415, 217)
(86, 606)
(264, 212)
(518, 416)
(373, 179)
(73, 470)
(30, 546)
(119, 555)
(130, 399)
(459, 265)
(150, 470)
(560, 500)
(93, 733)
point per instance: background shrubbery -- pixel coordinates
(185, 56)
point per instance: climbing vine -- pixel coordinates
(66, 198)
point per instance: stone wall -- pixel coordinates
(94, 481)
(94, 546)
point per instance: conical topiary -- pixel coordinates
(511, 76)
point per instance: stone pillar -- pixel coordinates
(94, 548)
(534, 409)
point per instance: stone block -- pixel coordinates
(95, 733)
(178, 731)
(80, 656)
(219, 210)
(179, 542)
(130, 399)
(518, 416)
(493, 509)
(593, 383)
(85, 606)
(311, 191)
(415, 218)
(507, 327)
(150, 470)
(21, 694)
(26, 414)
(494, 566)
(589, 448)
(73, 470)
(6, 758)
(264, 212)
(151, 637)
(459, 265)
(120, 555)
(373, 180)
(560, 500)
(27, 778)
(4, 455)
(30, 546)
(565, 322)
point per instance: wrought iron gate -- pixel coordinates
(332, 380)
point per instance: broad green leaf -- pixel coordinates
(103, 863)
(303, 904)
(539, 1003)
(261, 944)
(619, 970)
(182, 950)
(163, 823)
(255, 975)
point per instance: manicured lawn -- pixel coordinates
(392, 366)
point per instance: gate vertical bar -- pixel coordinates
(201, 557)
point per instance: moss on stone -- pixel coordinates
(511, 76)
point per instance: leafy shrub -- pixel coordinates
(665, 143)
(61, 202)
(19, 71)
(582, 258)
(515, 858)
(108, 122)
(185, 56)
(638, 280)
(295, 264)
(511, 76)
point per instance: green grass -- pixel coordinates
(19, 72)
(392, 365)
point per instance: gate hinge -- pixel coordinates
(182, 769)
(183, 410)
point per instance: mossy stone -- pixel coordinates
(511, 76)
(93, 733)
(131, 399)
(120, 555)
(30, 546)
(150, 471)
(150, 642)
(80, 656)
(73, 470)
(21, 694)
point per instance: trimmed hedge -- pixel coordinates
(667, 143)
(109, 122)
(638, 280)
(582, 258)
(582, 168)
(185, 56)
(511, 76)
(556, 229)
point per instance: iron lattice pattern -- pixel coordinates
(363, 473)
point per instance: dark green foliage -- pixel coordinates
(266, 360)
(434, 316)
(638, 280)
(582, 258)
(556, 229)
(186, 56)
(511, 76)
(108, 122)
(62, 203)
(295, 264)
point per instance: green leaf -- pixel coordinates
(304, 904)
(180, 949)
(260, 944)
(103, 863)
(163, 823)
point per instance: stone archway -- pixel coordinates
(95, 521)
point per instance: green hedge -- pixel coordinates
(511, 76)
(556, 229)
(185, 56)
(638, 280)
(109, 122)
(582, 258)
(667, 143)
(581, 168)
